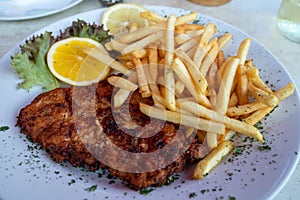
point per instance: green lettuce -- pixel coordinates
(30, 64)
(82, 29)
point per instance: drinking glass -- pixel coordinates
(288, 21)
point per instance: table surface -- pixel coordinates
(257, 19)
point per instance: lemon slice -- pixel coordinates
(118, 17)
(68, 61)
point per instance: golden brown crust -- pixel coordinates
(79, 125)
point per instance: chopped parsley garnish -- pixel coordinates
(264, 148)
(146, 191)
(4, 128)
(192, 195)
(92, 188)
(237, 150)
(72, 182)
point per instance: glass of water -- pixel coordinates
(288, 21)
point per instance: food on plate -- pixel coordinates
(170, 87)
(31, 65)
(212, 159)
(190, 79)
(69, 63)
(119, 17)
(54, 119)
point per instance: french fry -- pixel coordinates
(142, 43)
(139, 53)
(141, 77)
(182, 73)
(168, 73)
(212, 159)
(242, 80)
(187, 45)
(123, 83)
(228, 135)
(211, 80)
(198, 78)
(152, 84)
(184, 19)
(122, 94)
(209, 59)
(169, 91)
(212, 139)
(285, 92)
(179, 21)
(152, 17)
(243, 50)
(186, 36)
(242, 85)
(226, 85)
(258, 82)
(209, 31)
(125, 58)
(189, 131)
(253, 75)
(191, 52)
(281, 94)
(117, 46)
(192, 99)
(220, 58)
(230, 123)
(189, 27)
(106, 59)
(244, 109)
(153, 61)
(186, 120)
(224, 39)
(159, 100)
(233, 101)
(138, 34)
(266, 98)
(202, 51)
(179, 87)
(120, 97)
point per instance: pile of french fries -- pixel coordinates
(183, 68)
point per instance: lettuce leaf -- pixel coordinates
(30, 64)
(81, 28)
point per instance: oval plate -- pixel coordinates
(22, 10)
(27, 172)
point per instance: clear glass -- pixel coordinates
(288, 21)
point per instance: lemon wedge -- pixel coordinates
(68, 61)
(118, 17)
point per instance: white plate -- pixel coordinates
(29, 9)
(29, 173)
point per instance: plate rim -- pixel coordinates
(283, 180)
(44, 14)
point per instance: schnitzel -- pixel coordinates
(80, 125)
